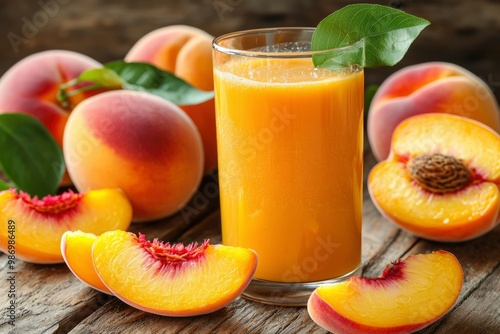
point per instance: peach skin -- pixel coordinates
(441, 179)
(138, 142)
(434, 87)
(187, 52)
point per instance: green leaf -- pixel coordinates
(4, 185)
(148, 78)
(29, 156)
(142, 77)
(95, 78)
(370, 35)
(103, 76)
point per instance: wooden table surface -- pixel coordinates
(51, 300)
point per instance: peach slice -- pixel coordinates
(172, 280)
(441, 179)
(37, 225)
(76, 249)
(410, 295)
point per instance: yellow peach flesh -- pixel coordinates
(196, 287)
(76, 248)
(477, 145)
(38, 234)
(444, 217)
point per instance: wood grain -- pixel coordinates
(479, 313)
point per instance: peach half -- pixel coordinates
(172, 280)
(76, 249)
(187, 52)
(433, 87)
(441, 179)
(410, 295)
(33, 227)
(137, 142)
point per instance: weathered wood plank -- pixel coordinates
(45, 295)
(480, 260)
(479, 313)
(203, 202)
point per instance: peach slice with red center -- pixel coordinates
(172, 280)
(410, 295)
(76, 249)
(441, 179)
(37, 225)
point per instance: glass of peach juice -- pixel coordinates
(290, 150)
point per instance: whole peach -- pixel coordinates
(434, 87)
(31, 85)
(187, 52)
(138, 142)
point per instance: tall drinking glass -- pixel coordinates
(290, 146)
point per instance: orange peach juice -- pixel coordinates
(290, 144)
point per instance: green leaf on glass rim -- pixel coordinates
(29, 156)
(371, 35)
(148, 78)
